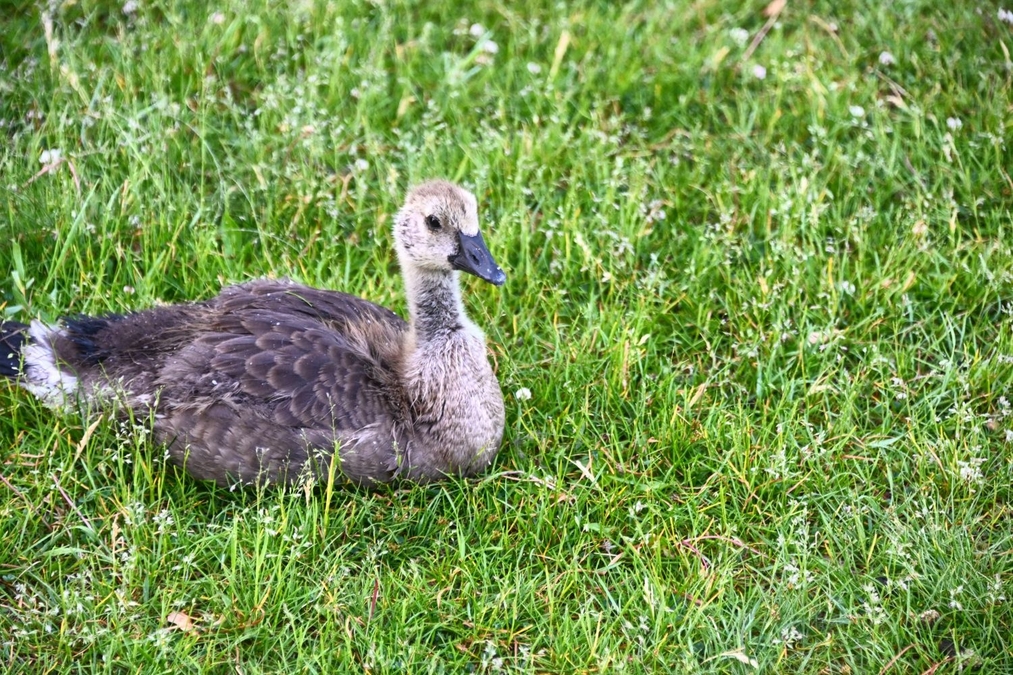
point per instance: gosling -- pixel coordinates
(272, 382)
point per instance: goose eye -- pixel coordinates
(434, 223)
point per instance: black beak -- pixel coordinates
(473, 257)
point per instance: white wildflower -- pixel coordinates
(655, 211)
(994, 593)
(954, 123)
(130, 7)
(490, 660)
(759, 72)
(970, 471)
(217, 18)
(361, 165)
(1006, 16)
(954, 592)
(796, 577)
(490, 47)
(51, 156)
(476, 30)
(873, 607)
(857, 111)
(163, 519)
(534, 68)
(886, 59)
(523, 394)
(789, 637)
(739, 36)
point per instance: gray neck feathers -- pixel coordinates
(434, 302)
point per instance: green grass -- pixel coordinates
(765, 323)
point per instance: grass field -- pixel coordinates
(759, 291)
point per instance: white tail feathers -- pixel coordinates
(43, 375)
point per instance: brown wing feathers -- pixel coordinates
(315, 377)
(248, 380)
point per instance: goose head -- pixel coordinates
(436, 232)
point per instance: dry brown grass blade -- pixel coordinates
(771, 11)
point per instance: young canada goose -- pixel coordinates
(271, 380)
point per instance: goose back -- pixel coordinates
(251, 383)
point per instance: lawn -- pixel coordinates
(755, 340)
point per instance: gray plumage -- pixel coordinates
(270, 380)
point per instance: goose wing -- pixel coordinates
(274, 373)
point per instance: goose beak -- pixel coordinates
(473, 257)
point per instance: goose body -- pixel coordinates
(273, 382)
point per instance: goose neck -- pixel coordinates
(434, 302)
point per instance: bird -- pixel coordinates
(274, 382)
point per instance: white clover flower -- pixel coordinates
(739, 36)
(759, 72)
(856, 111)
(1006, 16)
(51, 156)
(217, 18)
(476, 30)
(361, 165)
(886, 59)
(490, 47)
(523, 394)
(130, 7)
(954, 123)
(534, 68)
